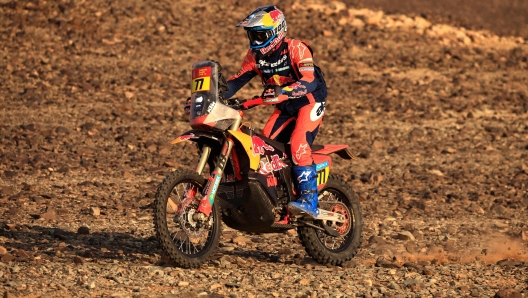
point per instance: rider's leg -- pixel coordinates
(277, 123)
(307, 125)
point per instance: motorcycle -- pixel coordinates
(248, 185)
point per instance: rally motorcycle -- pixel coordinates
(248, 185)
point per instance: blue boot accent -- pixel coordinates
(305, 180)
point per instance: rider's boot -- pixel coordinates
(305, 180)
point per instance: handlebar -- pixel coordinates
(244, 104)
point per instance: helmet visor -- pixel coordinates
(259, 38)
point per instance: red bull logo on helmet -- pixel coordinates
(275, 15)
(259, 146)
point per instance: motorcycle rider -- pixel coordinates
(287, 65)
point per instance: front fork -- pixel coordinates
(209, 192)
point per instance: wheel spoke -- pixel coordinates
(332, 200)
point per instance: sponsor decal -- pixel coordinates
(211, 106)
(300, 151)
(306, 64)
(259, 146)
(215, 182)
(317, 111)
(243, 23)
(275, 15)
(201, 72)
(300, 93)
(302, 49)
(321, 166)
(271, 180)
(273, 43)
(274, 64)
(267, 167)
(188, 137)
(279, 80)
(304, 177)
(268, 100)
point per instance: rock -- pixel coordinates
(501, 225)
(421, 23)
(377, 240)
(410, 247)
(524, 235)
(7, 258)
(428, 272)
(449, 150)
(405, 235)
(83, 230)
(414, 266)
(507, 293)
(241, 239)
(10, 174)
(129, 95)
(357, 23)
(304, 282)
(378, 144)
(416, 134)
(78, 260)
(394, 286)
(95, 211)
(6, 191)
(386, 264)
(50, 214)
(22, 254)
(3, 250)
(374, 19)
(436, 172)
(508, 263)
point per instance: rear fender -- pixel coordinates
(340, 150)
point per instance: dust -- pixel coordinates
(489, 251)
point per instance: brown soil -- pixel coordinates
(504, 17)
(92, 93)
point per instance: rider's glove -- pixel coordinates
(187, 108)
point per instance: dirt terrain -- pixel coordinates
(92, 92)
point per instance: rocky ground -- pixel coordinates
(91, 95)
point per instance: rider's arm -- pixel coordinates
(302, 58)
(243, 76)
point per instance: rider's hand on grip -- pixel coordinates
(187, 108)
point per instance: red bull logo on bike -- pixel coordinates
(259, 146)
(275, 164)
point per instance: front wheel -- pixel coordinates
(188, 243)
(336, 196)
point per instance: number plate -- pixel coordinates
(201, 79)
(201, 84)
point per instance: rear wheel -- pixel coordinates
(186, 242)
(336, 196)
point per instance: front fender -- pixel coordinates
(195, 136)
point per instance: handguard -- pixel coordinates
(264, 101)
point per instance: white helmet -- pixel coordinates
(266, 29)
